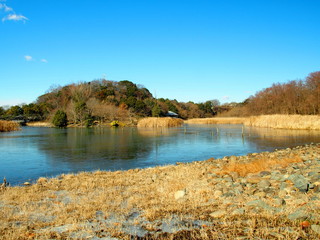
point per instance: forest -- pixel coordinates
(293, 97)
(101, 100)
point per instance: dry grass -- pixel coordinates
(39, 124)
(154, 122)
(307, 122)
(8, 126)
(258, 165)
(75, 199)
(217, 120)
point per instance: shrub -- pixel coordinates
(7, 126)
(60, 119)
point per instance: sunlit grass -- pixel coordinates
(154, 122)
(216, 120)
(258, 165)
(7, 126)
(307, 122)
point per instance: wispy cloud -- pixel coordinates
(28, 58)
(5, 7)
(11, 16)
(44, 60)
(225, 98)
(14, 17)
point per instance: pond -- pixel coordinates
(35, 152)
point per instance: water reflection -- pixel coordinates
(35, 152)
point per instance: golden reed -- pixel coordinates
(7, 126)
(154, 122)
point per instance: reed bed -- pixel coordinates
(216, 120)
(8, 126)
(306, 122)
(39, 124)
(155, 122)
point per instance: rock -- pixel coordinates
(264, 173)
(261, 204)
(179, 194)
(218, 214)
(217, 194)
(300, 214)
(278, 202)
(316, 228)
(264, 184)
(300, 182)
(260, 194)
(27, 183)
(238, 211)
(228, 179)
(253, 180)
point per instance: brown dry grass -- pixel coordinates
(149, 190)
(39, 124)
(307, 122)
(216, 120)
(155, 122)
(258, 165)
(8, 126)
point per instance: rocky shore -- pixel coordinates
(269, 195)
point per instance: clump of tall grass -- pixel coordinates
(154, 122)
(216, 120)
(8, 126)
(307, 122)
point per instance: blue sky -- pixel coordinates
(179, 49)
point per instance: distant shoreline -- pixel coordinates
(295, 122)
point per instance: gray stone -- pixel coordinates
(239, 211)
(262, 204)
(278, 202)
(300, 214)
(300, 182)
(264, 184)
(264, 173)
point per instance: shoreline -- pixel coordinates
(290, 122)
(217, 198)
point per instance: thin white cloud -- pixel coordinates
(44, 60)
(5, 7)
(225, 98)
(14, 17)
(28, 58)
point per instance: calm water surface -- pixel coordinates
(34, 152)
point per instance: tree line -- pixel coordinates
(101, 100)
(293, 97)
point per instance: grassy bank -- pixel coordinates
(213, 199)
(8, 126)
(216, 120)
(155, 122)
(308, 122)
(303, 122)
